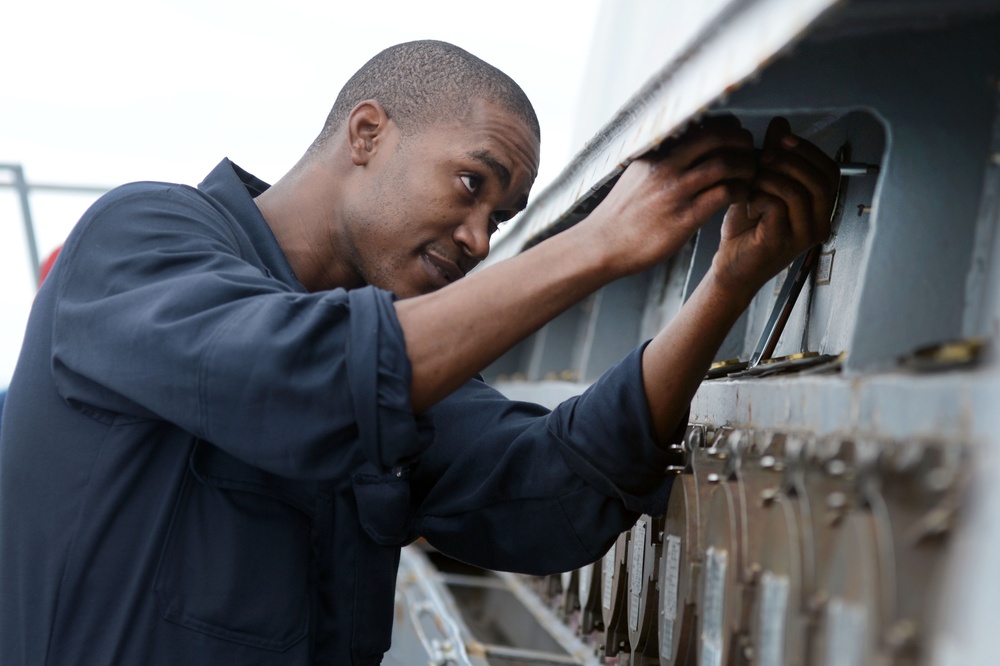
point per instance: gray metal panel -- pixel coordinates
(614, 325)
(923, 213)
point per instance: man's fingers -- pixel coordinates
(702, 142)
(709, 201)
(811, 154)
(802, 221)
(793, 166)
(780, 141)
(777, 129)
(721, 121)
(765, 207)
(738, 168)
(740, 218)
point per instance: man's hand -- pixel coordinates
(661, 200)
(787, 212)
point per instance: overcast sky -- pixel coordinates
(108, 91)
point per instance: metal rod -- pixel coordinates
(52, 187)
(526, 655)
(798, 272)
(858, 169)
(29, 227)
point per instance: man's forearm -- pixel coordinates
(454, 333)
(675, 362)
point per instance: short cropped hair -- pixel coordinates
(419, 83)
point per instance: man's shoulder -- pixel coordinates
(150, 208)
(153, 195)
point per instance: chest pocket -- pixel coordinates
(236, 562)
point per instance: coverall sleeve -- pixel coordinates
(508, 485)
(165, 311)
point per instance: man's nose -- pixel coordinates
(473, 237)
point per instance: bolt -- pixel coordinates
(939, 479)
(816, 603)
(862, 209)
(901, 634)
(937, 522)
(836, 501)
(836, 468)
(767, 462)
(713, 478)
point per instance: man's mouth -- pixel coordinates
(444, 270)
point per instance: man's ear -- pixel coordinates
(366, 124)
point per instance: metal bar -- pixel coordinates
(577, 650)
(29, 227)
(858, 169)
(525, 655)
(53, 187)
(460, 580)
(798, 272)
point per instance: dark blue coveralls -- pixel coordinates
(202, 463)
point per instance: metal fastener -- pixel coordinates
(836, 500)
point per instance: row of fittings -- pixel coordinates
(777, 548)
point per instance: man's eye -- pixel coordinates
(471, 183)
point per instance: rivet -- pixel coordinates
(901, 634)
(836, 500)
(939, 479)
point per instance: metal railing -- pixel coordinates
(23, 189)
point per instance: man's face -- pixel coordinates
(431, 201)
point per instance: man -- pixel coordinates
(43, 272)
(224, 425)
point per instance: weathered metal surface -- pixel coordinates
(822, 537)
